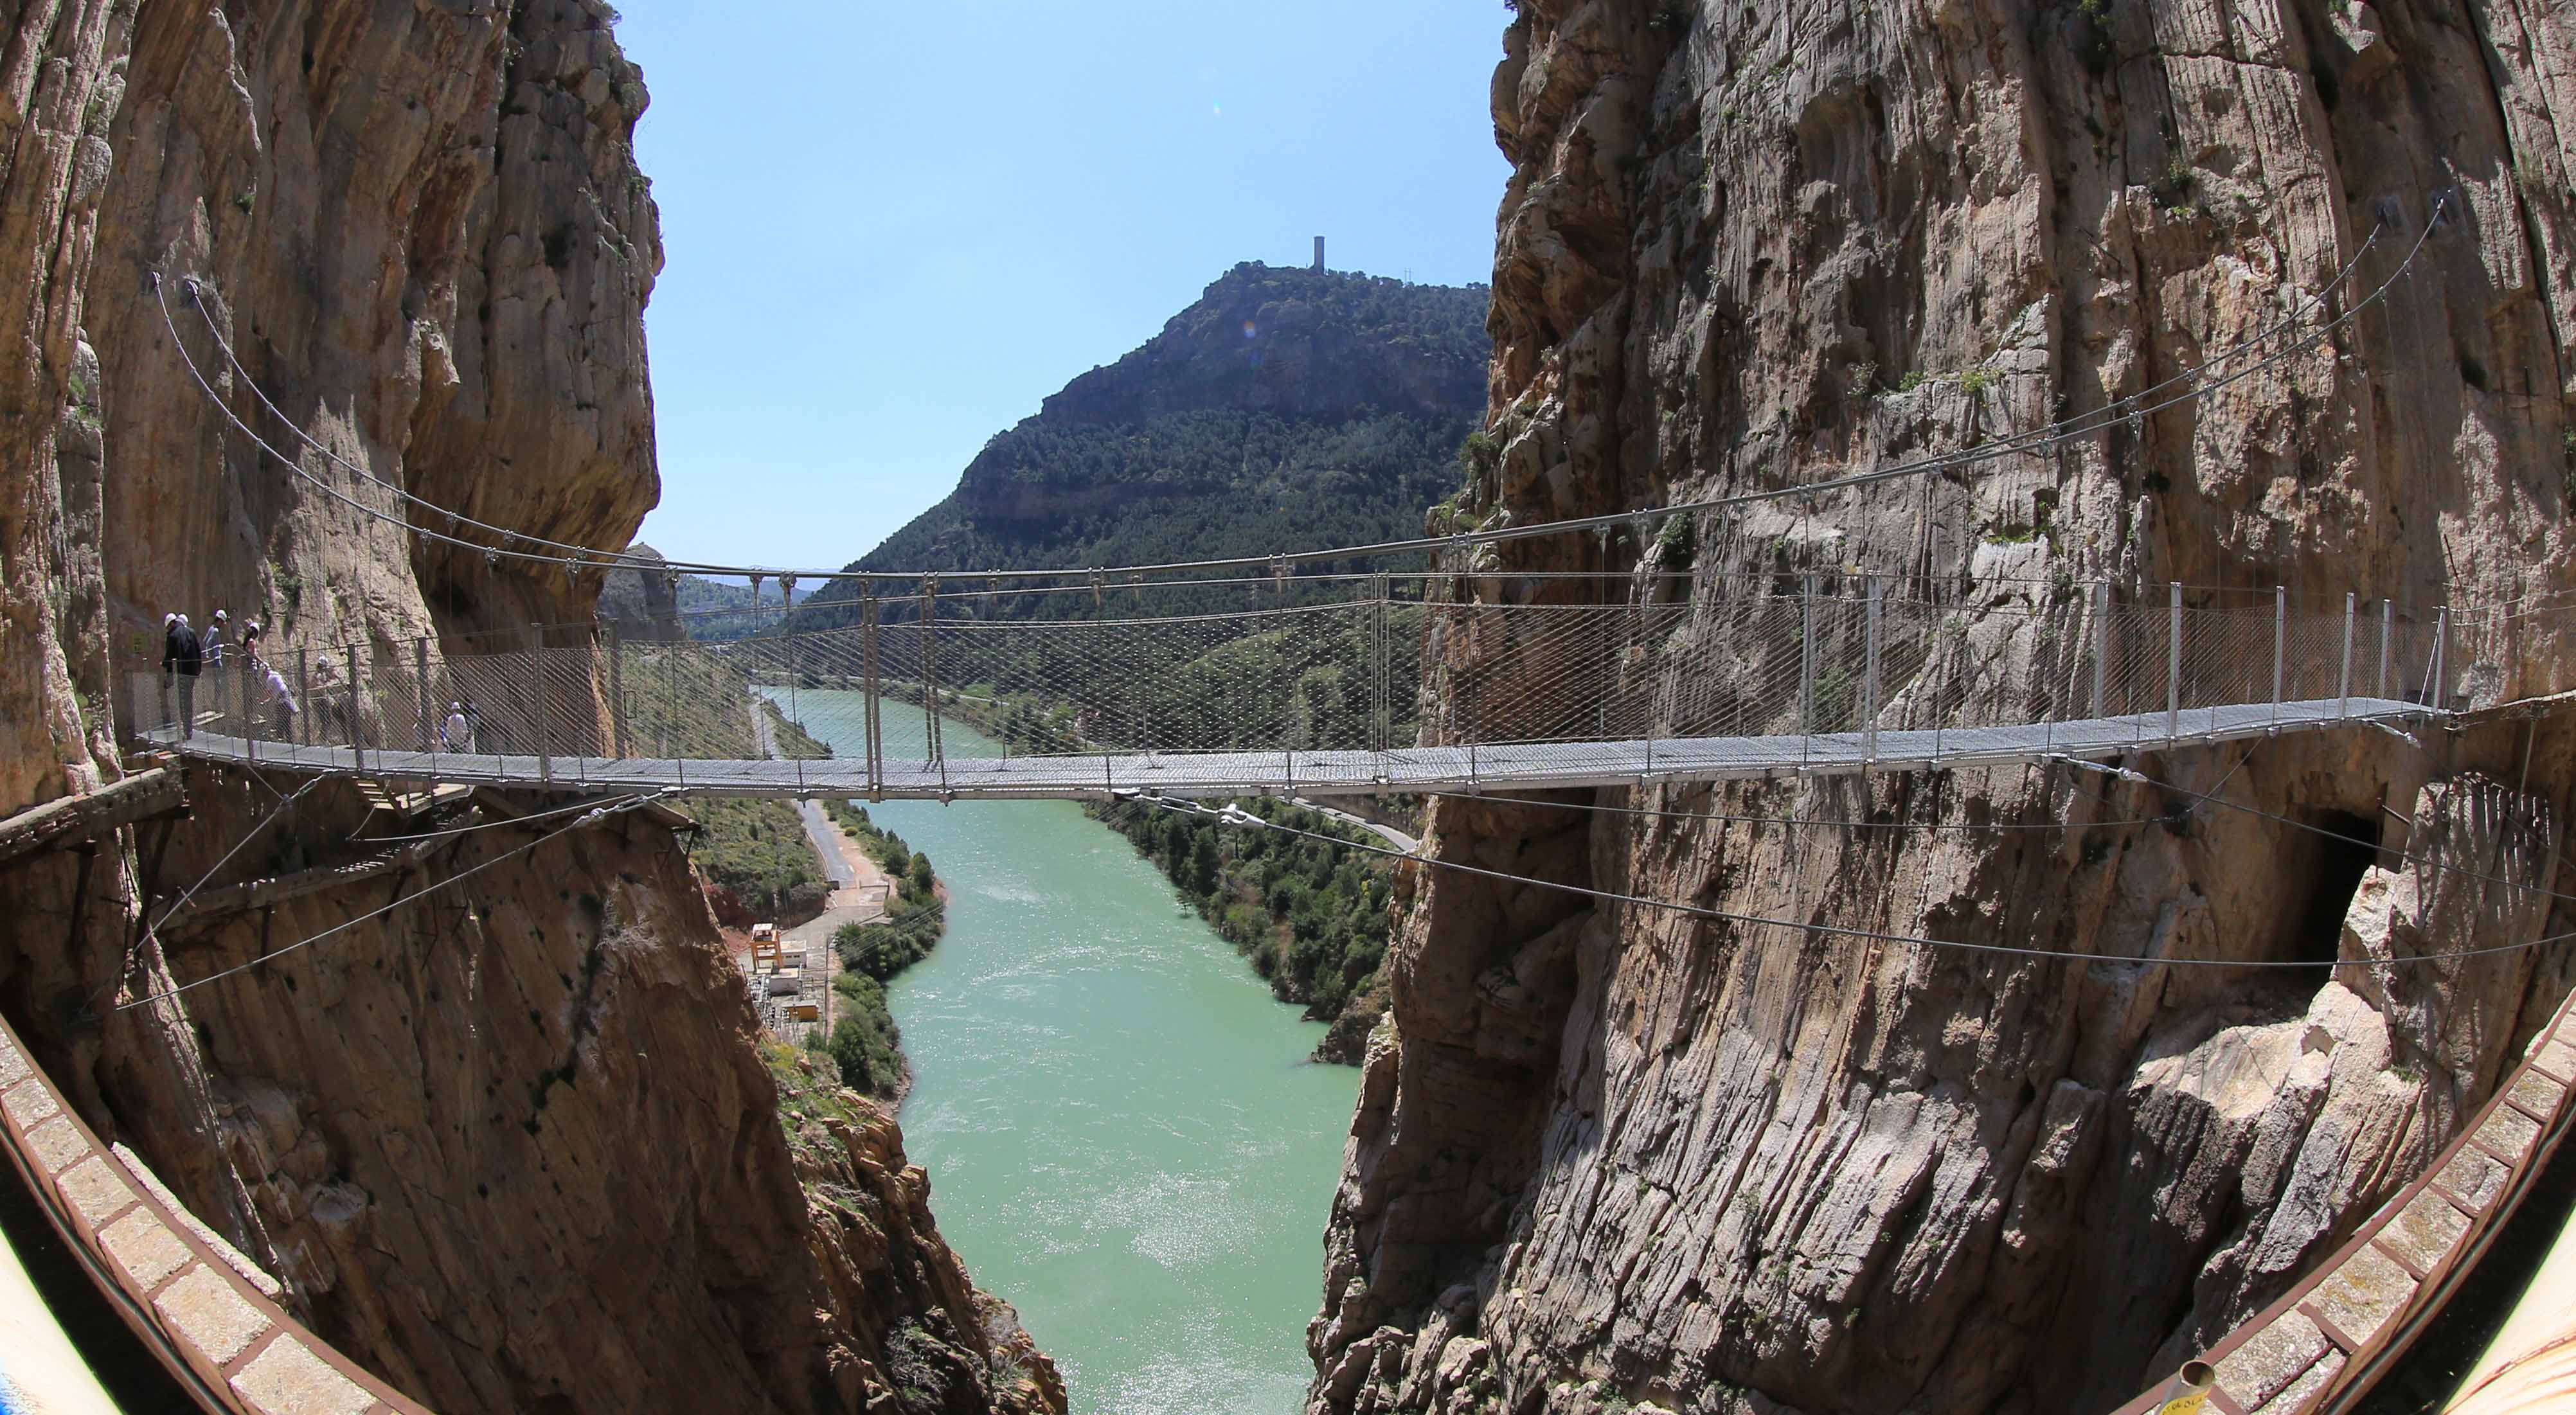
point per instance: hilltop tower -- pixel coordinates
(1319, 255)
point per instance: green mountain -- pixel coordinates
(1286, 408)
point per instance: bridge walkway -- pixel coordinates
(1537, 766)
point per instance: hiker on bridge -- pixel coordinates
(456, 733)
(280, 702)
(211, 643)
(182, 659)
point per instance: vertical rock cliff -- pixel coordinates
(506, 1136)
(1605, 1155)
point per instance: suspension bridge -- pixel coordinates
(1452, 679)
(1373, 684)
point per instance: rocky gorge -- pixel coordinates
(513, 1147)
(1607, 1158)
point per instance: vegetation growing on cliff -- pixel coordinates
(865, 1043)
(1312, 917)
(757, 852)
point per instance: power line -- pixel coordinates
(2196, 382)
(1238, 817)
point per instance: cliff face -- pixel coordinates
(641, 602)
(511, 1143)
(427, 240)
(1604, 1154)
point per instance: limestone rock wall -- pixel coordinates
(510, 1144)
(1604, 1154)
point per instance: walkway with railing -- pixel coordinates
(1357, 684)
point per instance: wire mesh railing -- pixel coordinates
(1855, 662)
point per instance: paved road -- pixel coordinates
(827, 843)
(813, 938)
(1387, 833)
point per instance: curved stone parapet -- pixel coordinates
(209, 1313)
(2335, 1333)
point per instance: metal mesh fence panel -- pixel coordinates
(1364, 683)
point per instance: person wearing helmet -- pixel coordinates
(210, 642)
(182, 659)
(456, 731)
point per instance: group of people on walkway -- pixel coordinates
(188, 653)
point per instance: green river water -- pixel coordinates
(1125, 1139)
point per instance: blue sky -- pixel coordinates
(893, 229)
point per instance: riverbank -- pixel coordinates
(1311, 917)
(903, 920)
(1129, 1139)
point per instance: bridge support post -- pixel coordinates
(2433, 692)
(2173, 666)
(787, 586)
(616, 691)
(1807, 669)
(868, 656)
(2280, 651)
(1468, 691)
(2343, 684)
(304, 695)
(1381, 726)
(2387, 633)
(1869, 682)
(537, 703)
(420, 686)
(930, 673)
(357, 714)
(2101, 645)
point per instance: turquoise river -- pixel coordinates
(1124, 1136)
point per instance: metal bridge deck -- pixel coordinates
(1497, 767)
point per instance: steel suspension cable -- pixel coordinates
(152, 930)
(2134, 777)
(625, 559)
(1794, 822)
(1237, 817)
(598, 814)
(2401, 856)
(503, 824)
(2196, 381)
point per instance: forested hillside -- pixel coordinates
(1286, 408)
